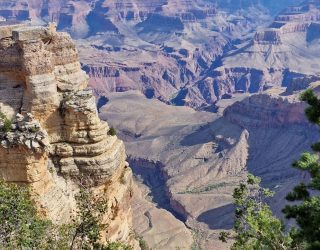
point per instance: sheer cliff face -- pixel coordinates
(57, 140)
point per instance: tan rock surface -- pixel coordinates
(57, 139)
(159, 228)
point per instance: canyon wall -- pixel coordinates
(56, 141)
(191, 161)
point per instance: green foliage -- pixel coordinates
(306, 209)
(115, 246)
(255, 226)
(7, 123)
(143, 244)
(112, 131)
(88, 226)
(224, 236)
(34, 129)
(20, 225)
(313, 111)
(22, 228)
(205, 189)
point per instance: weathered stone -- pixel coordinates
(26, 33)
(28, 144)
(4, 144)
(19, 117)
(6, 31)
(58, 129)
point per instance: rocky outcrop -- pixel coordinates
(56, 140)
(267, 111)
(284, 54)
(158, 76)
(196, 159)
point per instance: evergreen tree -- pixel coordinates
(306, 210)
(255, 226)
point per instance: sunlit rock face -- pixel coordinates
(57, 141)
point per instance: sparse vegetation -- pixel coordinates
(112, 131)
(34, 129)
(143, 244)
(205, 189)
(7, 123)
(255, 226)
(198, 236)
(22, 228)
(306, 209)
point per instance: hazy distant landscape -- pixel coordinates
(202, 93)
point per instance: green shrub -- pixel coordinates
(116, 246)
(7, 123)
(143, 244)
(112, 131)
(22, 228)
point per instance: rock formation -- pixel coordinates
(191, 161)
(128, 47)
(56, 140)
(284, 54)
(184, 52)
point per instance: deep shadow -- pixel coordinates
(218, 218)
(101, 102)
(204, 134)
(152, 176)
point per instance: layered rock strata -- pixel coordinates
(285, 54)
(51, 136)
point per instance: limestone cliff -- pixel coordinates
(57, 140)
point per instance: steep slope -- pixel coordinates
(202, 156)
(57, 141)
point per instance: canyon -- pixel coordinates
(209, 91)
(190, 161)
(169, 50)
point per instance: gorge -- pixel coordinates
(201, 93)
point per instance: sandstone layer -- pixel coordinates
(57, 141)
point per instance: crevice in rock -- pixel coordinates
(151, 174)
